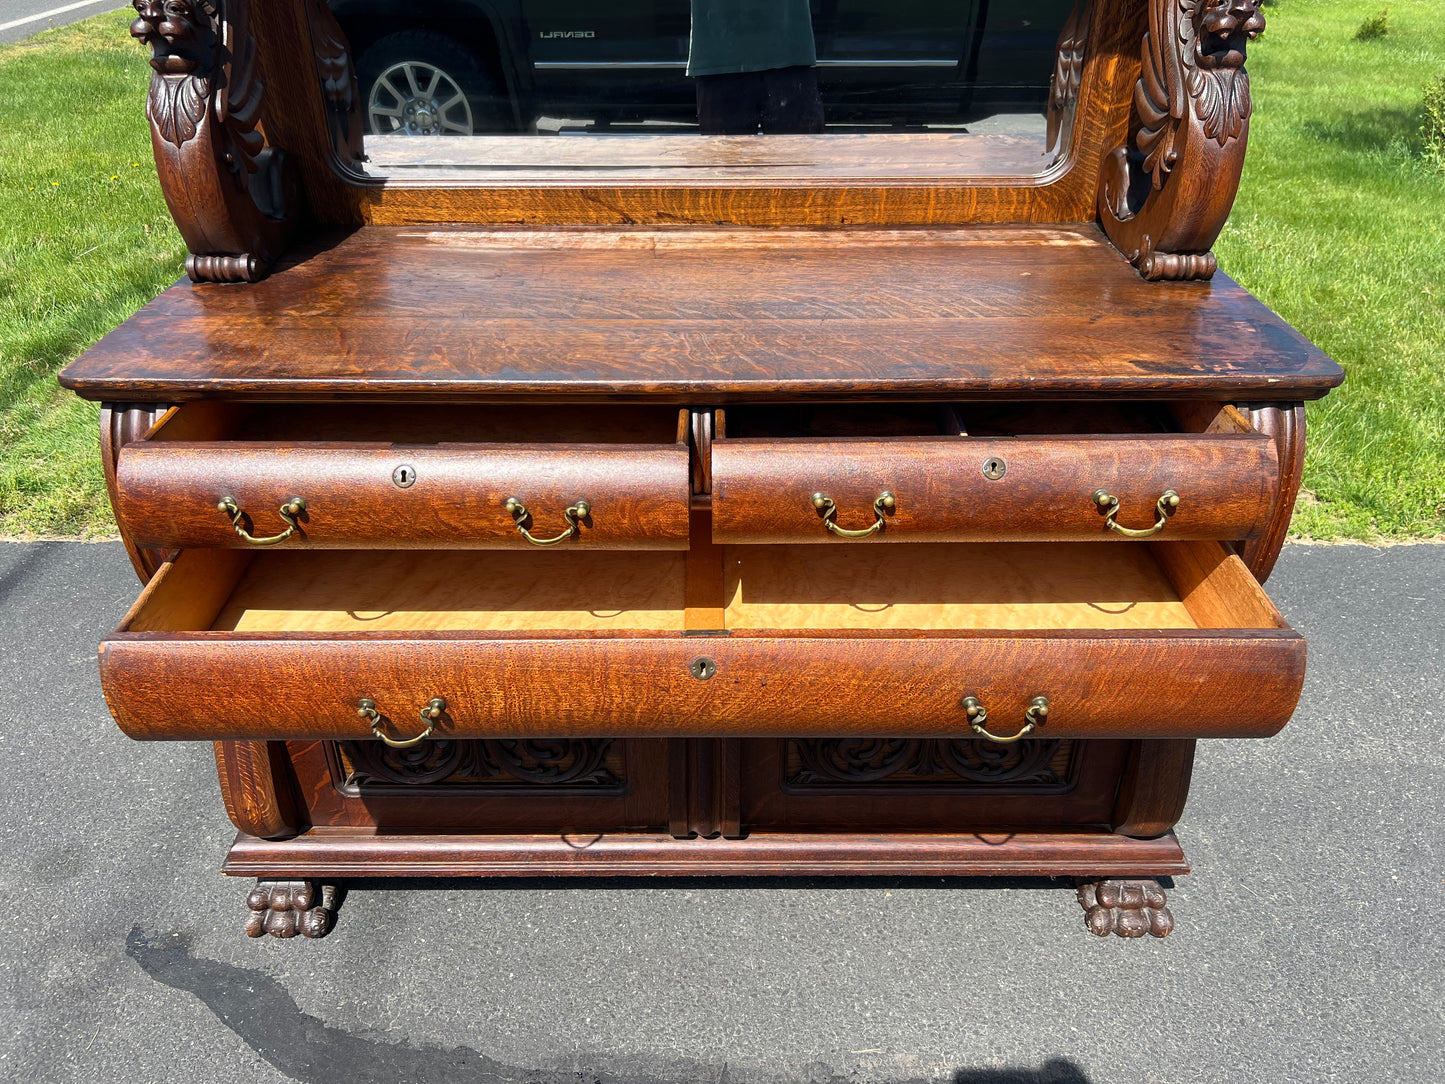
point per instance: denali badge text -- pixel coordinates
(566, 33)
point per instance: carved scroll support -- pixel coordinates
(1284, 423)
(1164, 196)
(233, 197)
(255, 779)
(121, 424)
(704, 788)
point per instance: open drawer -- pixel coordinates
(377, 475)
(1142, 640)
(990, 472)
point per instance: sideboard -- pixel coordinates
(742, 520)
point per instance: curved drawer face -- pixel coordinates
(982, 489)
(384, 495)
(1162, 641)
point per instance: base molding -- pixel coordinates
(328, 853)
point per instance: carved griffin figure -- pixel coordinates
(1192, 89)
(1195, 57)
(204, 106)
(193, 42)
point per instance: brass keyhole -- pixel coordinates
(703, 668)
(994, 468)
(403, 476)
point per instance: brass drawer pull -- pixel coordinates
(290, 511)
(572, 513)
(1165, 507)
(434, 710)
(1034, 716)
(882, 506)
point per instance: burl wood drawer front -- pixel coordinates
(616, 493)
(979, 489)
(1170, 640)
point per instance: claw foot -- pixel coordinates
(286, 908)
(1125, 908)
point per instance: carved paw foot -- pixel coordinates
(286, 908)
(1126, 908)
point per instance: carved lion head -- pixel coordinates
(1224, 28)
(179, 32)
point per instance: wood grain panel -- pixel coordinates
(639, 496)
(610, 854)
(762, 488)
(1186, 683)
(961, 586)
(404, 591)
(965, 313)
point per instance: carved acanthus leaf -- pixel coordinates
(176, 105)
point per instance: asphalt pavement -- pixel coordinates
(19, 19)
(1308, 947)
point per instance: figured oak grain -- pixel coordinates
(762, 488)
(958, 313)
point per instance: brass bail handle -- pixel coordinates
(434, 710)
(1164, 507)
(1034, 716)
(290, 512)
(572, 513)
(883, 505)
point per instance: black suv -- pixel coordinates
(458, 67)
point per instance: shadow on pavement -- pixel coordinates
(268, 1020)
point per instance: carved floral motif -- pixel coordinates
(928, 762)
(487, 762)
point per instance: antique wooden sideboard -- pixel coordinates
(789, 513)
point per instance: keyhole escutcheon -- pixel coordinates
(403, 476)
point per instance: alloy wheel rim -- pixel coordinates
(417, 98)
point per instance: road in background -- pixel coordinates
(21, 18)
(1310, 944)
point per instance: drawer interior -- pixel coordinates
(950, 586)
(715, 589)
(979, 419)
(424, 424)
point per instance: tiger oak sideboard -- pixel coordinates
(782, 505)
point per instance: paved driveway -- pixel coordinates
(1309, 946)
(21, 18)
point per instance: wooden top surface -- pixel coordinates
(707, 317)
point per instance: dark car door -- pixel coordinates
(610, 61)
(895, 61)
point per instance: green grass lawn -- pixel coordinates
(1340, 226)
(85, 240)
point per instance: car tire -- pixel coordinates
(419, 82)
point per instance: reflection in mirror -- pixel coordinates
(843, 88)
